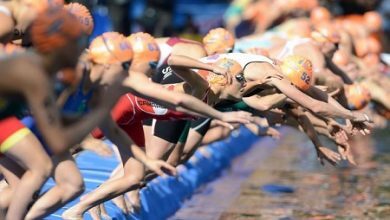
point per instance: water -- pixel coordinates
(342, 192)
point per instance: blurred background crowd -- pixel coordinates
(193, 18)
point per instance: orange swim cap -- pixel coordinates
(301, 4)
(83, 15)
(320, 14)
(110, 48)
(145, 47)
(361, 47)
(324, 32)
(218, 40)
(357, 96)
(298, 70)
(54, 28)
(232, 66)
(341, 58)
(42, 5)
(373, 21)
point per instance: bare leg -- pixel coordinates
(119, 201)
(69, 184)
(174, 156)
(12, 173)
(193, 141)
(28, 153)
(158, 147)
(111, 189)
(215, 134)
(148, 134)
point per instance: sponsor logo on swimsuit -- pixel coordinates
(166, 72)
(151, 107)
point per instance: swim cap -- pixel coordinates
(361, 47)
(83, 15)
(341, 58)
(218, 40)
(42, 5)
(373, 20)
(324, 32)
(357, 96)
(110, 48)
(232, 66)
(301, 4)
(320, 14)
(54, 28)
(145, 47)
(298, 70)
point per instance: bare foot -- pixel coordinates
(72, 214)
(95, 213)
(133, 201)
(103, 212)
(120, 202)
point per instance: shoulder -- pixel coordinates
(189, 49)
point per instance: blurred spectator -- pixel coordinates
(157, 17)
(190, 30)
(120, 15)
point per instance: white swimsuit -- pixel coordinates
(5, 10)
(242, 58)
(165, 51)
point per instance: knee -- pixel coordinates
(4, 202)
(73, 187)
(43, 169)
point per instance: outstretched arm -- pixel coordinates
(140, 85)
(322, 152)
(264, 103)
(336, 70)
(321, 108)
(182, 65)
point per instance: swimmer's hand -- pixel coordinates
(231, 126)
(160, 167)
(338, 130)
(361, 127)
(360, 117)
(272, 132)
(237, 116)
(325, 154)
(339, 135)
(344, 150)
(224, 72)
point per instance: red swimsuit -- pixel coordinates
(129, 112)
